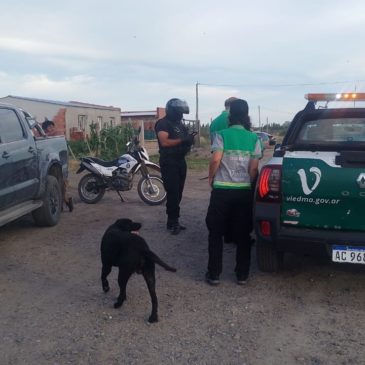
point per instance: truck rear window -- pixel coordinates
(332, 131)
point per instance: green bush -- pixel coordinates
(108, 144)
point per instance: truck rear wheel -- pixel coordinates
(268, 258)
(49, 213)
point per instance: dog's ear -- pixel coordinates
(136, 226)
(124, 224)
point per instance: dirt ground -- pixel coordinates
(54, 312)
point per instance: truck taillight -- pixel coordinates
(265, 227)
(269, 183)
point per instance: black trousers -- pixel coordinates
(228, 233)
(173, 172)
(229, 208)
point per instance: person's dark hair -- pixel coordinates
(46, 124)
(247, 123)
(238, 114)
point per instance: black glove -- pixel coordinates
(188, 140)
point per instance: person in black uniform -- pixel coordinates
(174, 143)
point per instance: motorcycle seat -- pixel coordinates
(104, 163)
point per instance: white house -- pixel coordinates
(73, 119)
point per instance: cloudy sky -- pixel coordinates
(137, 54)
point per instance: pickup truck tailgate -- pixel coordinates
(319, 193)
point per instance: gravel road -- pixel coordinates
(53, 310)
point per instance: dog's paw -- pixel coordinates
(119, 302)
(105, 285)
(106, 288)
(153, 318)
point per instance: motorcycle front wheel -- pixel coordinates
(91, 189)
(151, 190)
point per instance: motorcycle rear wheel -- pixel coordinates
(151, 190)
(91, 189)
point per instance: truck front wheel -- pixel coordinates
(49, 213)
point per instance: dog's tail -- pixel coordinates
(153, 257)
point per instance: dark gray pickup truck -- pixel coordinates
(32, 169)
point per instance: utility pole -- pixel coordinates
(197, 101)
(267, 125)
(355, 93)
(197, 114)
(259, 119)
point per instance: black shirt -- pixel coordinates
(175, 130)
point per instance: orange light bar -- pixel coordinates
(336, 97)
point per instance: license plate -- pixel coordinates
(349, 254)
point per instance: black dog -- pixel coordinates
(130, 253)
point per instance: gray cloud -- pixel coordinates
(138, 54)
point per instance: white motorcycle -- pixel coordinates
(118, 175)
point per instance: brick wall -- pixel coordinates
(76, 134)
(161, 112)
(60, 121)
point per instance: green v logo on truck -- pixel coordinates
(320, 193)
(303, 179)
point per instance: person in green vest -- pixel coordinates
(221, 122)
(233, 167)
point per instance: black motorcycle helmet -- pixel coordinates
(175, 108)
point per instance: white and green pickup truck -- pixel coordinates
(310, 197)
(32, 169)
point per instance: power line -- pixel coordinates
(276, 111)
(283, 85)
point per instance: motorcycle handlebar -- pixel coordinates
(134, 142)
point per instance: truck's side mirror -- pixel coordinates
(31, 122)
(277, 146)
(277, 151)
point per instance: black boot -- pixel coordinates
(175, 227)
